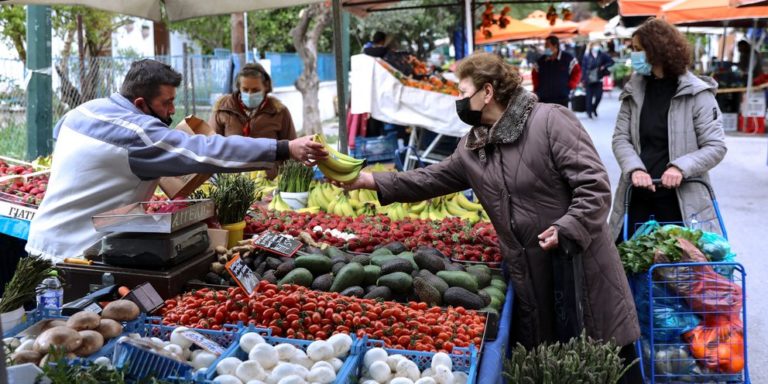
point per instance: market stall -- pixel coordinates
(387, 95)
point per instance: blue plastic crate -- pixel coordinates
(38, 314)
(348, 373)
(464, 359)
(375, 149)
(139, 363)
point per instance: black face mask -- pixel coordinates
(167, 121)
(466, 114)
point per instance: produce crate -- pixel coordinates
(138, 363)
(375, 149)
(348, 373)
(139, 217)
(464, 359)
(39, 314)
(14, 206)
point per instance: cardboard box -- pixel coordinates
(182, 186)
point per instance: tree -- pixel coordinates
(313, 20)
(14, 28)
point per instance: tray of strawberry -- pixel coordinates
(297, 312)
(454, 237)
(22, 183)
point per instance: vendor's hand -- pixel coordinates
(306, 151)
(548, 238)
(641, 179)
(363, 181)
(672, 177)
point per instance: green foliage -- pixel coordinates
(638, 254)
(581, 360)
(63, 373)
(13, 140)
(233, 194)
(14, 28)
(413, 30)
(268, 31)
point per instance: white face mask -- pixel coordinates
(252, 100)
(595, 51)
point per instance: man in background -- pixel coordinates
(555, 74)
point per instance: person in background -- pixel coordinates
(532, 55)
(744, 48)
(378, 47)
(555, 74)
(594, 67)
(669, 127)
(535, 170)
(129, 146)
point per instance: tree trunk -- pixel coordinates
(305, 38)
(237, 35)
(18, 43)
(162, 37)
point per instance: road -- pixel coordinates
(741, 184)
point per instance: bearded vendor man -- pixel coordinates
(110, 152)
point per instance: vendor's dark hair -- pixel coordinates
(379, 37)
(145, 77)
(554, 40)
(665, 45)
(483, 67)
(255, 70)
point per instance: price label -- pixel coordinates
(278, 244)
(243, 275)
(204, 342)
(93, 307)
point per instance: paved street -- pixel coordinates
(741, 185)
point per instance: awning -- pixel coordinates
(515, 30)
(640, 7)
(748, 3)
(711, 13)
(594, 24)
(561, 27)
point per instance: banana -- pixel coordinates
(279, 204)
(311, 210)
(454, 209)
(342, 177)
(472, 217)
(337, 161)
(331, 208)
(466, 204)
(419, 207)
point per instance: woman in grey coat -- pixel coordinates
(669, 127)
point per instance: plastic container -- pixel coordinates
(464, 359)
(375, 149)
(349, 370)
(12, 319)
(50, 292)
(139, 363)
(236, 233)
(295, 200)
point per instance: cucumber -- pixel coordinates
(350, 275)
(398, 282)
(317, 264)
(372, 273)
(299, 276)
(459, 279)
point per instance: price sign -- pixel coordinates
(204, 342)
(243, 275)
(277, 244)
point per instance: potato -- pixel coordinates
(26, 357)
(82, 321)
(54, 323)
(109, 328)
(121, 310)
(92, 342)
(63, 337)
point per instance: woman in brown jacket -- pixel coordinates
(537, 174)
(250, 111)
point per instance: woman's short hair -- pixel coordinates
(483, 67)
(665, 45)
(255, 70)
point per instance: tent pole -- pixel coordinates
(725, 41)
(469, 16)
(750, 73)
(340, 89)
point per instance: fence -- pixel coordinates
(204, 78)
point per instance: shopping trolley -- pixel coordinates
(697, 316)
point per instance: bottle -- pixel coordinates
(695, 222)
(50, 294)
(107, 279)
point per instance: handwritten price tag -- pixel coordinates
(243, 275)
(277, 244)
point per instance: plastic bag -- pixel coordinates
(672, 316)
(716, 247)
(645, 229)
(718, 345)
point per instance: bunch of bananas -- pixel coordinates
(341, 206)
(264, 186)
(396, 211)
(322, 195)
(278, 204)
(338, 166)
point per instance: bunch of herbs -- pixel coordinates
(295, 177)
(637, 255)
(30, 272)
(233, 194)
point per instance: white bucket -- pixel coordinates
(12, 318)
(295, 200)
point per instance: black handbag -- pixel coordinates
(579, 103)
(567, 277)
